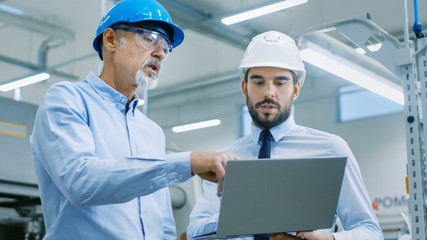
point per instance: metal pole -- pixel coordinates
(422, 71)
(405, 24)
(145, 107)
(17, 94)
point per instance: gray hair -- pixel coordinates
(122, 40)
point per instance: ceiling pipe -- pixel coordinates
(58, 35)
(17, 62)
(33, 24)
(46, 45)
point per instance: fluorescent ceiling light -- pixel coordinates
(24, 82)
(11, 10)
(372, 48)
(261, 11)
(354, 73)
(197, 125)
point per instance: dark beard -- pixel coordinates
(267, 124)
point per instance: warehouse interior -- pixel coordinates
(199, 81)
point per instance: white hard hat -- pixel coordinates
(273, 49)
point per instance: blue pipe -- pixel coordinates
(418, 28)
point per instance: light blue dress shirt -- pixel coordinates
(293, 141)
(102, 171)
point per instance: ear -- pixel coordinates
(244, 87)
(110, 39)
(297, 88)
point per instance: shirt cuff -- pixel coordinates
(178, 167)
(338, 236)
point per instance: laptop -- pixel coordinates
(266, 196)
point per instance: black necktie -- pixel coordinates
(264, 152)
(265, 138)
(261, 237)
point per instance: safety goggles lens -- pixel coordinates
(149, 39)
(152, 40)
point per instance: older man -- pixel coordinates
(101, 164)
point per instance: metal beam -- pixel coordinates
(51, 69)
(33, 67)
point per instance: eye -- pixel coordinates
(165, 47)
(149, 38)
(281, 83)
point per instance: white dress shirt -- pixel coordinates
(293, 141)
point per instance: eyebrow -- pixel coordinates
(281, 77)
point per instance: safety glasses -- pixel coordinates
(150, 40)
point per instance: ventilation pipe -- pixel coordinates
(46, 45)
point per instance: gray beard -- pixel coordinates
(146, 82)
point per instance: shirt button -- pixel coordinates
(123, 100)
(179, 176)
(150, 187)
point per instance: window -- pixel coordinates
(358, 103)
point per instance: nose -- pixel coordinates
(270, 89)
(159, 52)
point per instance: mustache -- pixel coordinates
(157, 61)
(268, 101)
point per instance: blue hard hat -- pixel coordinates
(145, 12)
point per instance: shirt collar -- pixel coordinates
(110, 94)
(278, 132)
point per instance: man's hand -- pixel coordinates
(313, 235)
(316, 235)
(211, 166)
